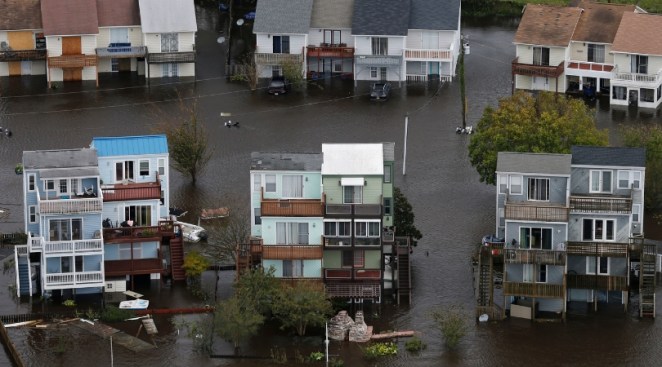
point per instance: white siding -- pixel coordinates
(187, 41)
(88, 44)
(316, 36)
(3, 36)
(153, 42)
(90, 73)
(54, 46)
(4, 69)
(103, 39)
(264, 43)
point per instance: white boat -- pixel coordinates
(191, 232)
(136, 304)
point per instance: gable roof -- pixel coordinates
(167, 16)
(118, 13)
(332, 14)
(130, 145)
(20, 14)
(381, 17)
(639, 34)
(62, 163)
(435, 14)
(283, 16)
(599, 21)
(608, 156)
(69, 17)
(353, 159)
(547, 25)
(266, 161)
(535, 163)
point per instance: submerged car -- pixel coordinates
(380, 91)
(277, 85)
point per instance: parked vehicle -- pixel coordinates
(380, 91)
(491, 238)
(277, 85)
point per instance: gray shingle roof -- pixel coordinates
(381, 17)
(608, 156)
(265, 161)
(332, 14)
(539, 163)
(434, 14)
(283, 16)
(62, 163)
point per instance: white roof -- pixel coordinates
(167, 16)
(352, 159)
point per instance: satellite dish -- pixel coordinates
(240, 22)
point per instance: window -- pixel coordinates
(354, 258)
(270, 183)
(502, 184)
(535, 238)
(379, 46)
(257, 212)
(542, 274)
(123, 170)
(639, 64)
(292, 268)
(373, 72)
(65, 229)
(31, 182)
(337, 229)
(598, 229)
(257, 182)
(539, 189)
(352, 194)
(603, 265)
(388, 210)
(516, 185)
(332, 37)
(291, 233)
(161, 164)
(114, 65)
(63, 186)
(141, 215)
(366, 229)
(647, 95)
(659, 92)
(281, 44)
(169, 42)
(629, 179)
(541, 56)
(32, 214)
(619, 93)
(276, 71)
(636, 210)
(144, 168)
(49, 185)
(596, 53)
(40, 41)
(600, 181)
(292, 186)
(65, 265)
(387, 173)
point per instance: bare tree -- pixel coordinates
(226, 235)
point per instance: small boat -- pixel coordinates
(136, 304)
(191, 232)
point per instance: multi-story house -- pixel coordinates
(281, 29)
(330, 50)
(532, 217)
(22, 42)
(287, 209)
(120, 40)
(169, 29)
(637, 52)
(63, 205)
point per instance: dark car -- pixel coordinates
(277, 85)
(380, 91)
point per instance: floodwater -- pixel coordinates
(453, 208)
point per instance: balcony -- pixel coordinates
(611, 204)
(357, 210)
(353, 290)
(378, 60)
(35, 244)
(73, 280)
(329, 51)
(353, 274)
(72, 61)
(601, 282)
(132, 234)
(292, 208)
(603, 249)
(637, 78)
(22, 55)
(121, 50)
(538, 290)
(131, 191)
(132, 267)
(73, 247)
(277, 59)
(347, 241)
(68, 205)
(170, 57)
(536, 211)
(292, 252)
(587, 66)
(537, 70)
(422, 54)
(541, 257)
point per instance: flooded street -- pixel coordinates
(453, 209)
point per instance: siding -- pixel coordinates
(364, 45)
(622, 226)
(315, 229)
(88, 44)
(265, 43)
(311, 185)
(372, 191)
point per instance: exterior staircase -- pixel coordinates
(177, 258)
(647, 282)
(23, 276)
(485, 285)
(249, 255)
(404, 273)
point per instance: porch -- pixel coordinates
(547, 71)
(535, 290)
(144, 233)
(353, 290)
(575, 65)
(648, 80)
(70, 205)
(534, 256)
(599, 282)
(134, 267)
(277, 59)
(536, 211)
(121, 50)
(73, 247)
(378, 60)
(348, 241)
(72, 61)
(73, 280)
(292, 208)
(428, 54)
(131, 191)
(329, 51)
(599, 249)
(357, 210)
(292, 252)
(22, 55)
(601, 204)
(352, 274)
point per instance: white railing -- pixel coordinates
(72, 279)
(637, 77)
(428, 54)
(73, 246)
(70, 206)
(21, 250)
(35, 243)
(89, 277)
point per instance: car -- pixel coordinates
(380, 91)
(277, 85)
(491, 238)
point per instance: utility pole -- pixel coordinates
(404, 157)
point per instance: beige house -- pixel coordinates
(22, 42)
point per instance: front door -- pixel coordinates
(124, 65)
(72, 74)
(71, 46)
(433, 68)
(26, 67)
(382, 73)
(540, 83)
(633, 97)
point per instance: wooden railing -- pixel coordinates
(170, 57)
(537, 70)
(330, 51)
(135, 266)
(533, 289)
(592, 281)
(288, 252)
(76, 246)
(593, 66)
(22, 55)
(122, 234)
(292, 208)
(72, 61)
(534, 256)
(247, 249)
(604, 249)
(601, 204)
(536, 212)
(356, 274)
(378, 60)
(71, 279)
(70, 206)
(132, 191)
(347, 241)
(353, 290)
(428, 54)
(363, 210)
(277, 59)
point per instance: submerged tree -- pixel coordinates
(258, 288)
(227, 235)
(403, 217)
(649, 137)
(546, 123)
(194, 265)
(293, 72)
(236, 321)
(301, 305)
(452, 322)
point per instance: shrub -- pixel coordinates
(452, 323)
(115, 314)
(380, 350)
(316, 356)
(415, 345)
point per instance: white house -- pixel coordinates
(120, 39)
(22, 42)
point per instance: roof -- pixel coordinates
(114, 13)
(286, 161)
(283, 16)
(167, 16)
(69, 17)
(130, 145)
(332, 14)
(608, 156)
(547, 25)
(20, 14)
(73, 160)
(353, 159)
(599, 21)
(389, 152)
(381, 17)
(435, 14)
(536, 163)
(639, 34)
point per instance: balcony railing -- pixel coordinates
(22, 55)
(378, 60)
(421, 54)
(426, 77)
(135, 266)
(87, 278)
(35, 244)
(117, 51)
(603, 249)
(292, 208)
(601, 282)
(536, 212)
(248, 249)
(363, 210)
(592, 66)
(353, 290)
(601, 204)
(277, 59)
(70, 206)
(127, 234)
(637, 77)
(347, 241)
(131, 191)
(76, 246)
(356, 274)
(542, 257)
(330, 51)
(170, 57)
(292, 252)
(533, 289)
(537, 70)
(72, 61)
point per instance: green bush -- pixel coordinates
(316, 356)
(415, 345)
(115, 314)
(380, 350)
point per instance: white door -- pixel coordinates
(170, 70)
(540, 83)
(26, 67)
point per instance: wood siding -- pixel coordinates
(291, 252)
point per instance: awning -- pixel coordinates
(352, 181)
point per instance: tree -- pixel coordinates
(225, 237)
(195, 264)
(258, 288)
(546, 123)
(247, 71)
(293, 72)
(301, 305)
(452, 322)
(403, 218)
(649, 137)
(236, 321)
